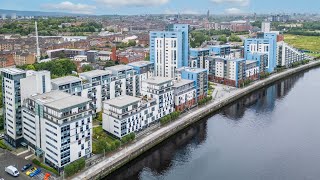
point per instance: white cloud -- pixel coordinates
(233, 11)
(119, 3)
(68, 6)
(183, 11)
(233, 2)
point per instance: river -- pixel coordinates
(273, 133)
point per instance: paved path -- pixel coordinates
(196, 112)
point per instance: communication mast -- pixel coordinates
(37, 39)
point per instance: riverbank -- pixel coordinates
(117, 160)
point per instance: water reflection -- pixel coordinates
(179, 148)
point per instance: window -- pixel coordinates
(79, 154)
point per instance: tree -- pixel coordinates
(223, 38)
(109, 63)
(132, 43)
(234, 38)
(30, 67)
(86, 68)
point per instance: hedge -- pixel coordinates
(170, 117)
(4, 146)
(38, 163)
(74, 167)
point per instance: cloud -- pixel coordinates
(183, 11)
(233, 2)
(233, 11)
(137, 3)
(68, 6)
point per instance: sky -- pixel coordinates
(130, 7)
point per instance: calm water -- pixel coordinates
(273, 133)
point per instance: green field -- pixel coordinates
(311, 43)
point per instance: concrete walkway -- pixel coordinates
(196, 113)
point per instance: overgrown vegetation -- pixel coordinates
(74, 167)
(170, 117)
(264, 75)
(38, 163)
(58, 68)
(128, 138)
(308, 43)
(204, 100)
(4, 146)
(296, 64)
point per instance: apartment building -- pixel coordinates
(262, 59)
(11, 95)
(200, 78)
(287, 55)
(68, 84)
(198, 57)
(185, 95)
(57, 126)
(169, 49)
(131, 80)
(145, 69)
(230, 72)
(126, 114)
(161, 89)
(24, 58)
(220, 50)
(252, 69)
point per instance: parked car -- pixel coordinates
(12, 171)
(1, 136)
(31, 171)
(46, 176)
(25, 167)
(36, 172)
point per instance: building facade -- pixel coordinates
(287, 55)
(184, 94)
(230, 71)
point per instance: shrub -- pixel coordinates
(38, 163)
(74, 167)
(4, 146)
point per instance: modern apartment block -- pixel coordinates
(169, 50)
(252, 69)
(265, 43)
(230, 72)
(145, 69)
(198, 57)
(57, 127)
(262, 59)
(126, 114)
(220, 50)
(287, 55)
(200, 78)
(68, 84)
(11, 94)
(185, 94)
(130, 78)
(161, 89)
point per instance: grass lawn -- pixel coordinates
(99, 133)
(311, 43)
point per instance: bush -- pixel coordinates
(74, 167)
(205, 100)
(128, 138)
(38, 163)
(170, 117)
(4, 146)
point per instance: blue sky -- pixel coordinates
(164, 6)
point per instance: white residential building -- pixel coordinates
(252, 69)
(80, 58)
(12, 105)
(265, 27)
(287, 55)
(58, 127)
(161, 89)
(68, 84)
(126, 114)
(185, 94)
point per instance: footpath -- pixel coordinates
(123, 156)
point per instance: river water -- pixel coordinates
(273, 133)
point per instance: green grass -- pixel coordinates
(99, 133)
(311, 43)
(4, 146)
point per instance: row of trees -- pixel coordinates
(74, 167)
(170, 117)
(204, 100)
(58, 68)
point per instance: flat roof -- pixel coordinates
(122, 101)
(190, 69)
(65, 80)
(13, 71)
(59, 100)
(182, 82)
(96, 73)
(120, 67)
(199, 49)
(140, 63)
(158, 80)
(250, 61)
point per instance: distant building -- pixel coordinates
(6, 60)
(169, 49)
(80, 58)
(92, 56)
(265, 27)
(220, 50)
(24, 58)
(68, 53)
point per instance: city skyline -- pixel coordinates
(132, 7)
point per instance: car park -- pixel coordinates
(36, 172)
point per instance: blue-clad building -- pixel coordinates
(200, 78)
(265, 43)
(262, 59)
(198, 56)
(221, 50)
(169, 49)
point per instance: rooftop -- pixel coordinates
(190, 69)
(65, 80)
(158, 80)
(199, 49)
(13, 71)
(59, 100)
(140, 63)
(123, 101)
(95, 73)
(182, 82)
(250, 61)
(120, 67)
